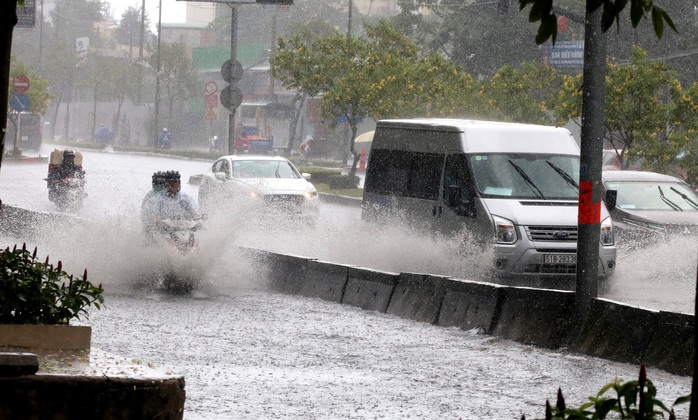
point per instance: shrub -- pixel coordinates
(633, 400)
(32, 292)
(320, 175)
(343, 182)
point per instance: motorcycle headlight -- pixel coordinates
(504, 231)
(606, 236)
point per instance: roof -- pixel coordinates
(637, 176)
(256, 157)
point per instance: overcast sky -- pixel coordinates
(173, 11)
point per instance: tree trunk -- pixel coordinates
(294, 122)
(352, 173)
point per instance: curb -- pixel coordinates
(26, 159)
(341, 199)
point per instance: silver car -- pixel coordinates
(649, 206)
(258, 186)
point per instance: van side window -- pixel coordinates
(408, 174)
(456, 192)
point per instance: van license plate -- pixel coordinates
(560, 259)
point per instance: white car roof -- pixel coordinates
(637, 176)
(255, 157)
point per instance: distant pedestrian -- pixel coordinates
(165, 139)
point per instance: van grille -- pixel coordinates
(552, 233)
(551, 268)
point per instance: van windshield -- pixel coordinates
(527, 176)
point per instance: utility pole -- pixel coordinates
(41, 36)
(272, 52)
(351, 6)
(140, 49)
(590, 191)
(233, 58)
(7, 25)
(157, 77)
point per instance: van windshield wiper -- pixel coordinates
(570, 181)
(528, 179)
(685, 197)
(667, 201)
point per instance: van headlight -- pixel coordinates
(606, 236)
(504, 231)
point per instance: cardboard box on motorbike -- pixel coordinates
(56, 159)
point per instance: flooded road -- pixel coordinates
(248, 353)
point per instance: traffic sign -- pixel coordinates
(231, 97)
(211, 100)
(19, 101)
(210, 87)
(20, 84)
(231, 71)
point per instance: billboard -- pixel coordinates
(565, 55)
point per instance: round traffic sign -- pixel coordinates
(231, 97)
(210, 87)
(231, 71)
(19, 102)
(20, 84)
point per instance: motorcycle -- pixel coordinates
(67, 193)
(179, 235)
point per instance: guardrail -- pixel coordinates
(541, 317)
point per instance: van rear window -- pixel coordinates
(404, 173)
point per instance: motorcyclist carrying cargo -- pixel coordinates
(172, 203)
(67, 168)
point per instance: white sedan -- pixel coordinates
(258, 186)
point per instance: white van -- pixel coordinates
(513, 185)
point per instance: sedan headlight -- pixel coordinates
(310, 194)
(606, 236)
(504, 231)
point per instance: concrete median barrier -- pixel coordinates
(325, 280)
(418, 297)
(369, 289)
(617, 332)
(286, 272)
(671, 347)
(542, 317)
(470, 305)
(18, 222)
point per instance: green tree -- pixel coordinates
(521, 94)
(377, 76)
(542, 11)
(38, 93)
(648, 115)
(73, 19)
(178, 78)
(128, 31)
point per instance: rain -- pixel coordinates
(245, 351)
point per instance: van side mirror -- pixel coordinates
(611, 198)
(219, 176)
